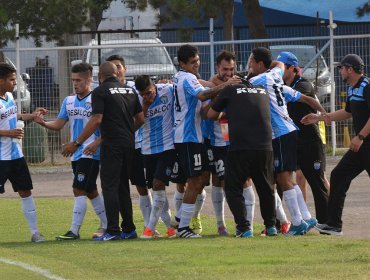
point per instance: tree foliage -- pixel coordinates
(52, 18)
(364, 9)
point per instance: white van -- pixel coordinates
(140, 60)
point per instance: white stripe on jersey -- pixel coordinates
(272, 81)
(139, 132)
(9, 149)
(158, 126)
(187, 108)
(78, 113)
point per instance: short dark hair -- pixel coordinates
(225, 55)
(83, 68)
(262, 54)
(142, 82)
(6, 70)
(185, 52)
(116, 57)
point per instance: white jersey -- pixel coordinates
(272, 81)
(78, 112)
(138, 133)
(212, 130)
(158, 126)
(9, 147)
(187, 108)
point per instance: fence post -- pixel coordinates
(211, 47)
(17, 65)
(332, 26)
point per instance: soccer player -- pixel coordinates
(85, 161)
(157, 146)
(117, 110)
(269, 75)
(13, 166)
(310, 154)
(357, 159)
(189, 94)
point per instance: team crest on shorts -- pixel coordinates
(80, 177)
(317, 165)
(276, 162)
(168, 171)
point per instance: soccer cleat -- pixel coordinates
(298, 230)
(37, 237)
(99, 232)
(157, 234)
(222, 231)
(311, 223)
(326, 229)
(196, 225)
(147, 234)
(284, 228)
(171, 232)
(108, 237)
(69, 235)
(271, 231)
(129, 235)
(175, 223)
(186, 232)
(244, 234)
(263, 232)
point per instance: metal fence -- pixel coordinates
(49, 71)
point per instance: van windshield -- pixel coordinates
(134, 56)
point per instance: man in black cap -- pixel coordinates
(357, 158)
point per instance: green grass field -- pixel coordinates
(211, 257)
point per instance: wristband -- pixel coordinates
(76, 143)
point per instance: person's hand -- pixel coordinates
(310, 119)
(355, 144)
(39, 111)
(39, 118)
(234, 80)
(15, 133)
(91, 149)
(165, 81)
(69, 149)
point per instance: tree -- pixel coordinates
(52, 18)
(364, 9)
(254, 14)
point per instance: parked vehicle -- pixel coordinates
(144, 60)
(318, 72)
(22, 84)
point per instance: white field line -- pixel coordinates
(46, 273)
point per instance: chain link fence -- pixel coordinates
(48, 68)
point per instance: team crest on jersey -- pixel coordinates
(317, 165)
(88, 105)
(276, 162)
(164, 99)
(80, 177)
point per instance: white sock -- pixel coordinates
(79, 210)
(280, 213)
(218, 201)
(166, 214)
(145, 202)
(302, 204)
(201, 198)
(29, 211)
(186, 214)
(177, 201)
(98, 205)
(250, 202)
(159, 198)
(290, 197)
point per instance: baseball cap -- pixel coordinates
(352, 60)
(288, 58)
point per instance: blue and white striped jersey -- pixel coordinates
(158, 125)
(187, 108)
(272, 81)
(212, 130)
(78, 112)
(9, 147)
(138, 133)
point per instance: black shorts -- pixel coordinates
(190, 158)
(177, 175)
(207, 156)
(16, 171)
(219, 159)
(137, 175)
(85, 171)
(159, 166)
(311, 155)
(285, 152)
